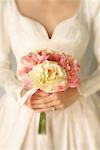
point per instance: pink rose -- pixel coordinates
(73, 82)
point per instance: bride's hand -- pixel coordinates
(59, 100)
(38, 95)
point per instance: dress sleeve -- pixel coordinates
(8, 79)
(92, 84)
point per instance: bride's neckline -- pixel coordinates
(37, 22)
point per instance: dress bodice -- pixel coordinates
(70, 35)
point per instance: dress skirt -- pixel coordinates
(74, 128)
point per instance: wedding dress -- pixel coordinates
(74, 128)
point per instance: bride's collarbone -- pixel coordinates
(48, 16)
(37, 10)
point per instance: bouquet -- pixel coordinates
(49, 71)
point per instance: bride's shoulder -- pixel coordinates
(2, 3)
(93, 7)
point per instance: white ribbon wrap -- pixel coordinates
(24, 98)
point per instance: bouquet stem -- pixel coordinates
(42, 123)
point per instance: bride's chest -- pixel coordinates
(54, 14)
(26, 35)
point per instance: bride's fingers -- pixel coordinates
(54, 103)
(44, 100)
(43, 105)
(57, 107)
(39, 102)
(39, 97)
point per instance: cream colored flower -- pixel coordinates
(47, 76)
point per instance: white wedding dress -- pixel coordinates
(74, 128)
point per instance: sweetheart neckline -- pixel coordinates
(41, 25)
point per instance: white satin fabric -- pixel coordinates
(74, 128)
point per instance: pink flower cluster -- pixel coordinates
(66, 61)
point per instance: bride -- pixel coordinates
(73, 116)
